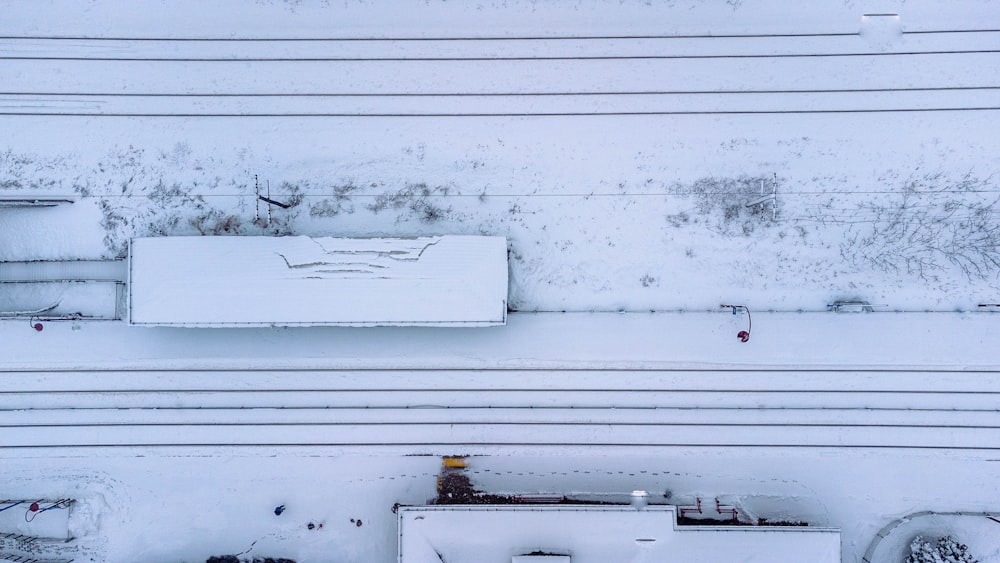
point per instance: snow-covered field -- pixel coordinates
(619, 146)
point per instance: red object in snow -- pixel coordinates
(743, 335)
(33, 507)
(37, 326)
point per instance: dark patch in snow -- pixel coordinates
(721, 204)
(413, 201)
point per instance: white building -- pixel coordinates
(303, 281)
(597, 534)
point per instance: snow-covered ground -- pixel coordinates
(604, 212)
(815, 419)
(619, 147)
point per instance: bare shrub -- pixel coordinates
(339, 202)
(413, 201)
(722, 204)
(20, 171)
(943, 550)
(217, 222)
(927, 230)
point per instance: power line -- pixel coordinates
(418, 39)
(191, 39)
(678, 193)
(487, 59)
(508, 114)
(501, 94)
(932, 31)
(579, 195)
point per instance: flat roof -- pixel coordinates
(598, 534)
(305, 281)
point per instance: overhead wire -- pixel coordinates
(108, 58)
(499, 94)
(500, 114)
(55, 37)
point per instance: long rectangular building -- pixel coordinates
(302, 281)
(596, 534)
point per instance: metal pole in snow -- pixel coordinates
(256, 199)
(774, 202)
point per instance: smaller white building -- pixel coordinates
(302, 281)
(597, 534)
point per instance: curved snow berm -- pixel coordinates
(304, 281)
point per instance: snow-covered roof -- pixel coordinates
(598, 534)
(302, 281)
